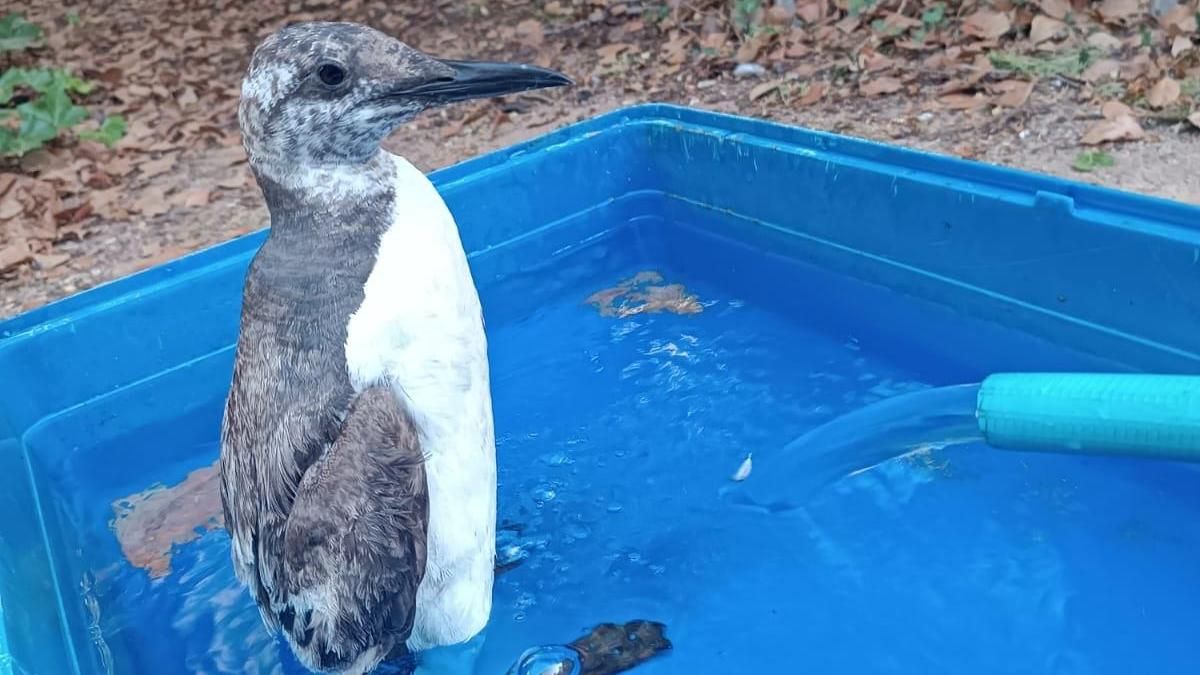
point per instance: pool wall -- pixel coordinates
(1109, 274)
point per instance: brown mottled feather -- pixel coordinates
(355, 542)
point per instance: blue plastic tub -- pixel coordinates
(827, 272)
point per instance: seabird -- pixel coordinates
(358, 470)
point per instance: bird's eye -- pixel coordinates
(331, 74)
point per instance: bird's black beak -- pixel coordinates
(484, 79)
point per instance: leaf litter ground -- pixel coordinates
(1044, 85)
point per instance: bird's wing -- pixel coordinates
(355, 539)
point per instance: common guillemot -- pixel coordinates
(358, 474)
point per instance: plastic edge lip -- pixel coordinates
(1088, 196)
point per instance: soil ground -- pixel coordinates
(1104, 77)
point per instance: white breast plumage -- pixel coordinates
(420, 329)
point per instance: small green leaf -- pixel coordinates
(882, 26)
(73, 19)
(33, 133)
(934, 15)
(58, 109)
(111, 131)
(1070, 62)
(1093, 159)
(37, 79)
(1110, 90)
(10, 80)
(8, 142)
(16, 33)
(75, 84)
(41, 80)
(857, 7)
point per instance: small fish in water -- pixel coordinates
(743, 471)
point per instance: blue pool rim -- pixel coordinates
(1134, 206)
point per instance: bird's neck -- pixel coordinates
(326, 224)
(313, 184)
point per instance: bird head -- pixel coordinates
(325, 94)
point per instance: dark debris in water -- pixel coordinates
(644, 293)
(615, 648)
(150, 523)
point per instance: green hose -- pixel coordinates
(1153, 416)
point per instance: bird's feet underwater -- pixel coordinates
(608, 649)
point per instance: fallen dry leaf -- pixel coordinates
(1163, 94)
(815, 92)
(531, 32)
(1122, 128)
(51, 261)
(1014, 93)
(880, 86)
(111, 75)
(1139, 66)
(555, 8)
(849, 24)
(149, 524)
(675, 50)
(963, 101)
(1101, 70)
(186, 97)
(10, 208)
(966, 151)
(763, 89)
(609, 53)
(986, 24)
(900, 22)
(797, 50)
(874, 62)
(1117, 11)
(151, 202)
(227, 156)
(109, 203)
(157, 167)
(1194, 118)
(1114, 109)
(957, 86)
(779, 16)
(811, 12)
(73, 214)
(750, 49)
(232, 181)
(14, 254)
(1180, 20)
(1044, 28)
(1181, 45)
(119, 166)
(645, 293)
(66, 175)
(1055, 9)
(192, 197)
(1106, 41)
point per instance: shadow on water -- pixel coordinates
(784, 481)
